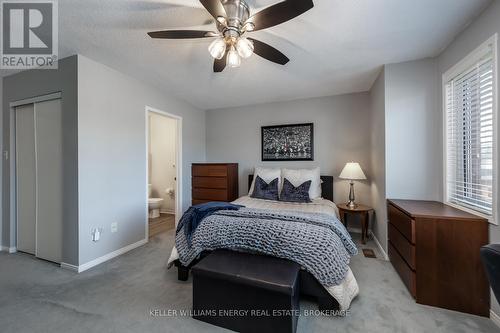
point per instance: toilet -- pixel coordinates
(154, 204)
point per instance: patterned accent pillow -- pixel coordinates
(263, 190)
(291, 193)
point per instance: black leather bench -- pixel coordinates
(246, 292)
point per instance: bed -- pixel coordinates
(336, 297)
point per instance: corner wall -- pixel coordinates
(112, 154)
(378, 179)
(1, 168)
(412, 132)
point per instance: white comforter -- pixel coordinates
(345, 292)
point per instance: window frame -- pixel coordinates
(462, 66)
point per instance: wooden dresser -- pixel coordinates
(214, 182)
(435, 250)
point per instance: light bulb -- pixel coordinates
(233, 58)
(245, 47)
(217, 48)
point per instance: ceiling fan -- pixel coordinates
(233, 21)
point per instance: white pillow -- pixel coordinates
(267, 174)
(300, 176)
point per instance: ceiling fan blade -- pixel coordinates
(279, 13)
(182, 34)
(214, 7)
(268, 52)
(220, 64)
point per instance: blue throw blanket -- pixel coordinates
(317, 242)
(195, 214)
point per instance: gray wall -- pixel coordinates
(1, 167)
(341, 129)
(478, 32)
(34, 83)
(378, 179)
(412, 134)
(112, 154)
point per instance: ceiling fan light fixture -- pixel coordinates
(245, 47)
(222, 20)
(233, 58)
(249, 26)
(217, 48)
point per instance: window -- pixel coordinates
(470, 131)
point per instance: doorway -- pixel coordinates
(164, 169)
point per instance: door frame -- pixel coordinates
(12, 156)
(178, 163)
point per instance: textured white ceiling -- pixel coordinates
(337, 47)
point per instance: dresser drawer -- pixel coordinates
(402, 222)
(209, 170)
(209, 194)
(405, 272)
(210, 182)
(403, 246)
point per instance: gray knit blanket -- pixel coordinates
(317, 242)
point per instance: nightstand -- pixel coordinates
(362, 211)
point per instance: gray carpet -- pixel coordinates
(36, 296)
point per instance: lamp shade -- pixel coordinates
(352, 171)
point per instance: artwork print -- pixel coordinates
(288, 143)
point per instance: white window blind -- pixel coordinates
(469, 138)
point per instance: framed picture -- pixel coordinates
(288, 142)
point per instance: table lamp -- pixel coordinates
(352, 171)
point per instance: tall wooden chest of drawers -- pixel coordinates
(214, 182)
(435, 250)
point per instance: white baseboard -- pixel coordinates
(69, 267)
(109, 256)
(167, 211)
(495, 318)
(380, 248)
(9, 249)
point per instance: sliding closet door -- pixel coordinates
(49, 174)
(26, 178)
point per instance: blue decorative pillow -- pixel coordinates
(291, 193)
(263, 190)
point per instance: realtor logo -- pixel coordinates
(29, 34)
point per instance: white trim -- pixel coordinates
(178, 163)
(36, 99)
(167, 211)
(107, 257)
(471, 58)
(495, 318)
(461, 66)
(69, 267)
(380, 248)
(8, 249)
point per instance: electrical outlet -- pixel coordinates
(96, 234)
(114, 227)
